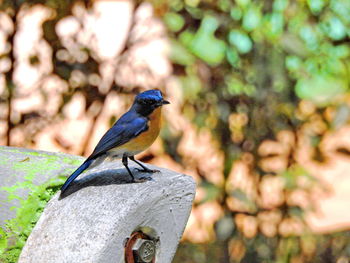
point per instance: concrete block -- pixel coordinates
(102, 209)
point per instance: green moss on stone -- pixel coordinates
(16, 231)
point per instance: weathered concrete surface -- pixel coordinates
(20, 168)
(103, 208)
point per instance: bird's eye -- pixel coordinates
(150, 101)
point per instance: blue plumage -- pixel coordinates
(150, 94)
(133, 123)
(127, 127)
(77, 172)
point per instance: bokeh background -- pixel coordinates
(259, 113)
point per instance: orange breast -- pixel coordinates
(145, 139)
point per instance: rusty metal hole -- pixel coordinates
(140, 248)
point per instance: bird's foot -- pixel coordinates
(147, 170)
(142, 179)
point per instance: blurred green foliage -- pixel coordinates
(257, 60)
(307, 38)
(261, 58)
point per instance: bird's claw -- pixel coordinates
(147, 170)
(142, 179)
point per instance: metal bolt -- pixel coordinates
(144, 250)
(140, 248)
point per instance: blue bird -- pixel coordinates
(133, 133)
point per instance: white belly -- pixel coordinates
(119, 152)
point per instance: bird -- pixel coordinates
(131, 134)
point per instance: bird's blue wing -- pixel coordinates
(126, 128)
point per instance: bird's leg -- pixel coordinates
(144, 168)
(125, 163)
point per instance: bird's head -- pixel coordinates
(146, 102)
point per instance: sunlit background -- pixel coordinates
(259, 114)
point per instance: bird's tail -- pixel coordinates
(74, 175)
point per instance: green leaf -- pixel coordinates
(316, 6)
(224, 227)
(243, 3)
(296, 211)
(180, 55)
(212, 192)
(252, 17)
(224, 5)
(186, 38)
(309, 35)
(192, 3)
(236, 13)
(280, 5)
(242, 196)
(341, 51)
(320, 89)
(273, 25)
(205, 45)
(293, 63)
(240, 40)
(174, 21)
(290, 179)
(232, 57)
(341, 8)
(334, 28)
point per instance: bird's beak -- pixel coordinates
(164, 102)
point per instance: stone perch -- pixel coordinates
(105, 218)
